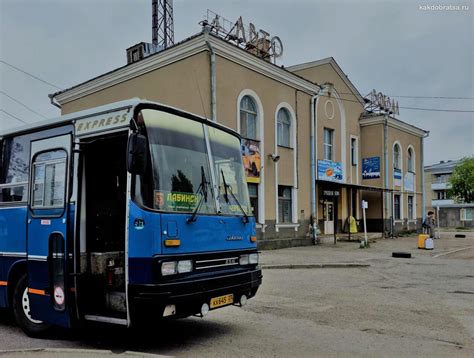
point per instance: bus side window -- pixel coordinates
(49, 180)
(14, 164)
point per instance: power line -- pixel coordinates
(409, 108)
(420, 97)
(343, 93)
(437, 110)
(29, 74)
(22, 104)
(432, 97)
(15, 117)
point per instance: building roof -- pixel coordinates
(376, 118)
(191, 46)
(331, 61)
(53, 95)
(443, 166)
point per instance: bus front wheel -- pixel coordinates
(21, 310)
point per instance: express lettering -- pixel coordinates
(101, 123)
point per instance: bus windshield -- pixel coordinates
(229, 171)
(181, 170)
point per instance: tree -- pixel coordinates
(462, 181)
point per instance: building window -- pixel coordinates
(441, 179)
(248, 118)
(135, 55)
(328, 143)
(410, 208)
(284, 204)
(396, 207)
(396, 156)
(283, 127)
(253, 193)
(466, 214)
(354, 151)
(411, 165)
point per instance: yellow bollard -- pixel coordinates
(421, 240)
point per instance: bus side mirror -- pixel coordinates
(136, 153)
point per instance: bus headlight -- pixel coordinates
(169, 268)
(253, 259)
(175, 267)
(244, 260)
(185, 266)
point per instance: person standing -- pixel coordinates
(429, 224)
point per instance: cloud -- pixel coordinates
(391, 46)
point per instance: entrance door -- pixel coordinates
(47, 230)
(328, 216)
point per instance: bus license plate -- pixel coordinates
(222, 301)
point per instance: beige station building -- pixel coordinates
(311, 148)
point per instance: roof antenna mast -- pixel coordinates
(162, 23)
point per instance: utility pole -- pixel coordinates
(162, 23)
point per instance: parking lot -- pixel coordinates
(393, 307)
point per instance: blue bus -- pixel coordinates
(123, 214)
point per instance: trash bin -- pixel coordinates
(421, 240)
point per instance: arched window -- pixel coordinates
(411, 165)
(248, 118)
(283, 127)
(396, 156)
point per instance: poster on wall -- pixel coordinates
(397, 178)
(371, 168)
(409, 182)
(252, 160)
(330, 171)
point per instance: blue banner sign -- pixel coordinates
(371, 168)
(330, 171)
(397, 178)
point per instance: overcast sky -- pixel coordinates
(392, 46)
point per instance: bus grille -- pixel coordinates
(217, 263)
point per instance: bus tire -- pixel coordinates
(21, 307)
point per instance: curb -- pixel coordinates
(316, 265)
(95, 352)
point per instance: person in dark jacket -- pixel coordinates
(429, 224)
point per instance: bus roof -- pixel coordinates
(68, 118)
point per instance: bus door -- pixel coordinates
(47, 230)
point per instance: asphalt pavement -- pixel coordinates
(387, 306)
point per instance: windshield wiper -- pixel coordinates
(203, 189)
(226, 195)
(228, 188)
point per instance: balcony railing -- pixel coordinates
(440, 180)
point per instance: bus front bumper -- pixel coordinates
(188, 296)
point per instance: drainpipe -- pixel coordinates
(314, 212)
(385, 160)
(206, 31)
(423, 197)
